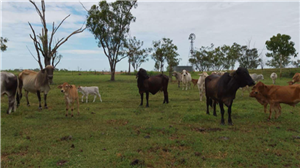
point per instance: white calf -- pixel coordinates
(200, 84)
(273, 77)
(93, 90)
(186, 79)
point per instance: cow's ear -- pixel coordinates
(60, 86)
(70, 86)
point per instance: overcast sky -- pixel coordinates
(217, 22)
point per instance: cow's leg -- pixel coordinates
(265, 107)
(11, 103)
(166, 97)
(45, 99)
(26, 95)
(99, 96)
(142, 97)
(94, 98)
(222, 112)
(147, 98)
(183, 84)
(229, 114)
(82, 98)
(38, 93)
(214, 104)
(207, 104)
(87, 98)
(271, 106)
(178, 84)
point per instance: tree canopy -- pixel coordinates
(282, 49)
(165, 51)
(3, 46)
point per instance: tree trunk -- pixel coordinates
(170, 75)
(47, 61)
(280, 66)
(129, 66)
(112, 72)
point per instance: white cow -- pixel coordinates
(200, 84)
(273, 77)
(186, 79)
(256, 77)
(93, 90)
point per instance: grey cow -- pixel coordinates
(178, 77)
(9, 86)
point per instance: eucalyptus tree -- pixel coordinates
(110, 24)
(165, 51)
(282, 49)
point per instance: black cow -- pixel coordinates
(9, 86)
(222, 90)
(152, 84)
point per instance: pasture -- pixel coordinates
(120, 133)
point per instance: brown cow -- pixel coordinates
(194, 81)
(296, 78)
(71, 95)
(274, 95)
(262, 100)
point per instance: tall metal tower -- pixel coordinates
(192, 37)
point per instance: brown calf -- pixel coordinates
(194, 81)
(71, 95)
(274, 95)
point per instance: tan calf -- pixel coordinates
(71, 95)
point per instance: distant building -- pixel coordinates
(180, 68)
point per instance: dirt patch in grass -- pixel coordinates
(117, 122)
(61, 162)
(199, 129)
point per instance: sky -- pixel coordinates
(217, 22)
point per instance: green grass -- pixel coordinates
(118, 131)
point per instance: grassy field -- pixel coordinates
(120, 133)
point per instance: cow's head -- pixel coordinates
(258, 89)
(49, 72)
(185, 72)
(79, 88)
(64, 87)
(243, 77)
(296, 78)
(261, 76)
(142, 74)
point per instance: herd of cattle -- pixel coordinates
(37, 82)
(220, 88)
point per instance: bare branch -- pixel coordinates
(63, 40)
(83, 7)
(32, 54)
(36, 45)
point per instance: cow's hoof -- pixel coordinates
(72, 115)
(215, 115)
(66, 115)
(230, 124)
(28, 105)
(40, 108)
(46, 107)
(222, 123)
